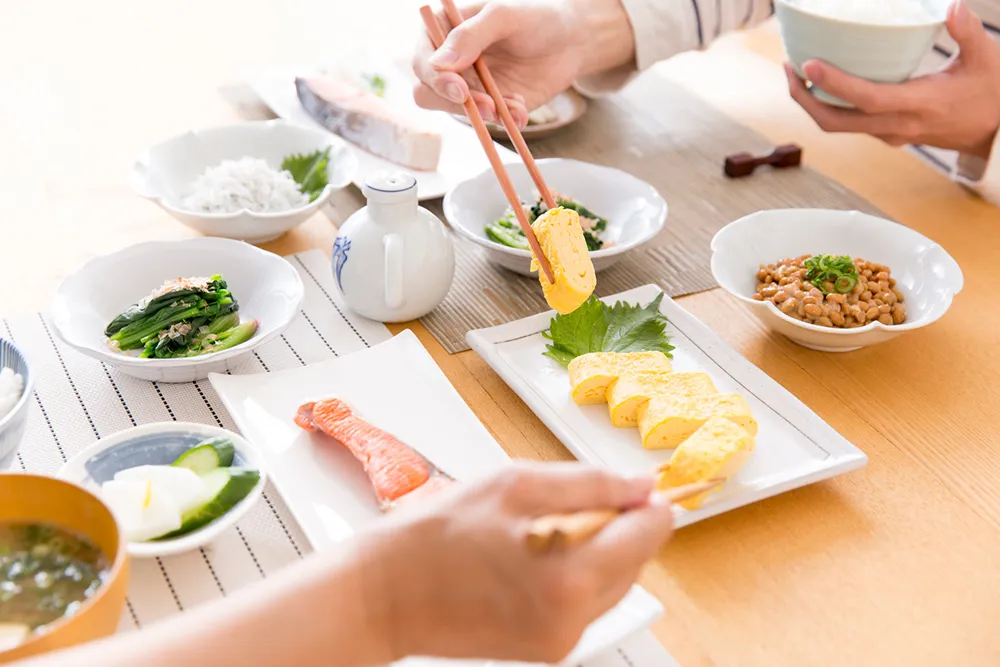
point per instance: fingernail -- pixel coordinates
(659, 499)
(444, 56)
(813, 71)
(485, 112)
(961, 10)
(454, 92)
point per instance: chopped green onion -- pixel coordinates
(845, 284)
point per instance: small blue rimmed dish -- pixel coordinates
(13, 424)
(163, 443)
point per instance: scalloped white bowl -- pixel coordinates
(635, 211)
(267, 288)
(926, 274)
(166, 172)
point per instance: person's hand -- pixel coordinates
(534, 48)
(956, 108)
(456, 579)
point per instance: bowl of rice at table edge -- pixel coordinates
(251, 182)
(16, 387)
(879, 40)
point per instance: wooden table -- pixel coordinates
(892, 565)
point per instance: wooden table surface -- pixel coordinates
(895, 564)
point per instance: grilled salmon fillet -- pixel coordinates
(394, 468)
(365, 119)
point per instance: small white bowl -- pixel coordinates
(635, 211)
(14, 423)
(926, 274)
(267, 288)
(166, 172)
(160, 444)
(880, 53)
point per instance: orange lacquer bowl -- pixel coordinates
(36, 499)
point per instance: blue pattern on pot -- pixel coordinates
(341, 247)
(152, 449)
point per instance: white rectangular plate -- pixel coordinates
(461, 154)
(396, 385)
(794, 446)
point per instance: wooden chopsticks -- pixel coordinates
(566, 530)
(472, 111)
(455, 18)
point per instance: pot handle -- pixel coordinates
(393, 244)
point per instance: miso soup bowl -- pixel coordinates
(879, 53)
(36, 499)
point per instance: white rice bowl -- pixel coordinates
(11, 389)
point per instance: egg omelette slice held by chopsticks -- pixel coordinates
(560, 238)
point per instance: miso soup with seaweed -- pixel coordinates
(46, 574)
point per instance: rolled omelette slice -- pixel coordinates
(718, 449)
(561, 240)
(633, 389)
(667, 421)
(591, 374)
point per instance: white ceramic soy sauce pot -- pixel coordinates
(393, 260)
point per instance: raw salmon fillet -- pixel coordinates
(394, 468)
(363, 118)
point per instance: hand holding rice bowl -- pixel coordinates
(221, 170)
(880, 42)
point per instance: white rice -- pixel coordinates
(875, 12)
(11, 388)
(248, 183)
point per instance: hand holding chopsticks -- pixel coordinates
(455, 18)
(437, 37)
(565, 530)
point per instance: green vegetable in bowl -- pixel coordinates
(597, 327)
(506, 231)
(187, 317)
(376, 83)
(840, 271)
(309, 171)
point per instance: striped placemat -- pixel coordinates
(79, 400)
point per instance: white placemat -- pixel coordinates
(78, 400)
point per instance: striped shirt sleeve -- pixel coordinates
(664, 28)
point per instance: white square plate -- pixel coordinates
(794, 446)
(396, 385)
(461, 154)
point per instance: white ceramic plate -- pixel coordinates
(461, 152)
(267, 288)
(165, 174)
(161, 444)
(568, 107)
(794, 446)
(926, 274)
(635, 211)
(325, 487)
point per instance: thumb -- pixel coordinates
(634, 537)
(967, 31)
(467, 42)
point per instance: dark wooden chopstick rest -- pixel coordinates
(742, 165)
